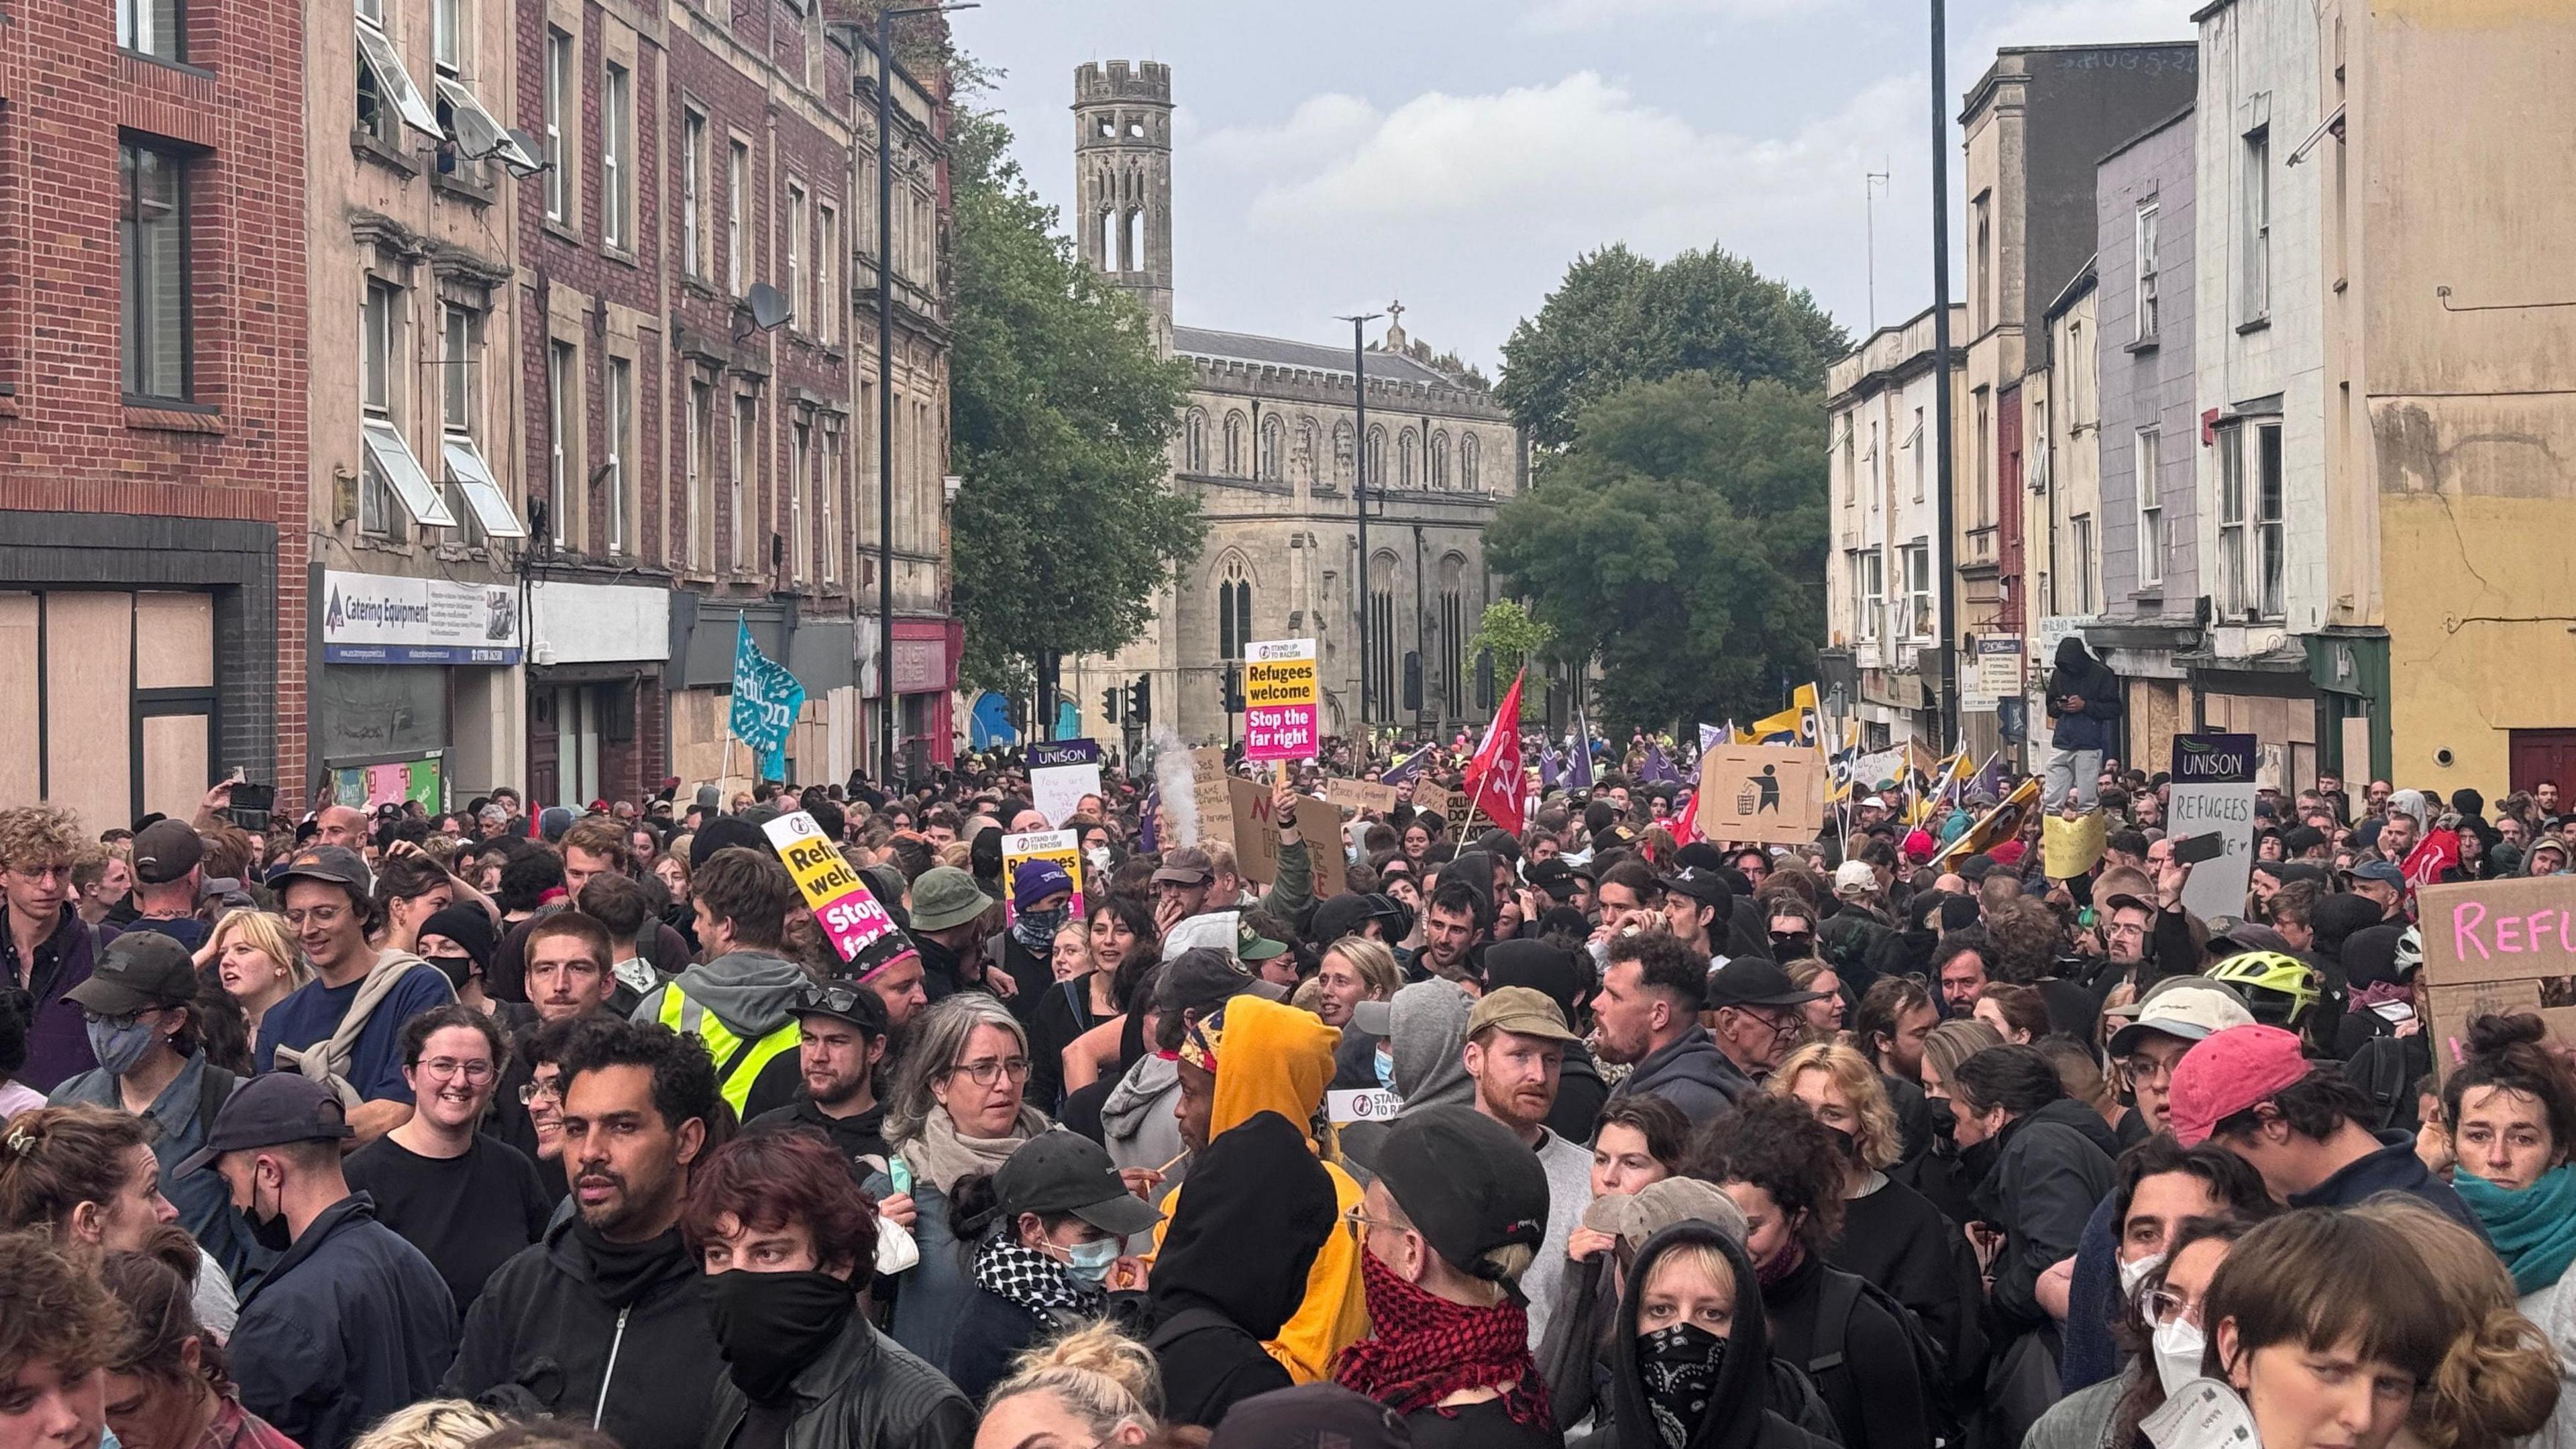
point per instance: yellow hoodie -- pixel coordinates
(1275, 1058)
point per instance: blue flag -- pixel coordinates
(1406, 768)
(1146, 841)
(1578, 774)
(1657, 770)
(1547, 766)
(766, 701)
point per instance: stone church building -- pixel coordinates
(1267, 444)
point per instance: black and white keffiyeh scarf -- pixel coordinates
(1035, 1281)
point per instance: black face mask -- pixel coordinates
(1680, 1366)
(1792, 946)
(269, 1230)
(457, 969)
(771, 1326)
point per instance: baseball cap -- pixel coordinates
(337, 864)
(2306, 870)
(1520, 1010)
(1755, 981)
(1854, 878)
(2376, 870)
(1469, 1185)
(137, 972)
(1066, 1172)
(166, 851)
(1703, 886)
(1251, 945)
(2183, 1007)
(1203, 978)
(2229, 1072)
(1035, 880)
(270, 1110)
(1633, 1217)
(1344, 914)
(856, 1005)
(1188, 865)
(945, 896)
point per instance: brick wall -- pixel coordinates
(68, 441)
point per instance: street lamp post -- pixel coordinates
(1359, 494)
(1945, 507)
(885, 373)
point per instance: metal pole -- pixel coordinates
(885, 401)
(1944, 549)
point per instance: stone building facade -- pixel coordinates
(1268, 444)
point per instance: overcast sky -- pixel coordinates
(1333, 154)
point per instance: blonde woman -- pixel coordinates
(1092, 1386)
(432, 1424)
(254, 956)
(1892, 1235)
(1355, 969)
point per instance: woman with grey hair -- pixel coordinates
(956, 1110)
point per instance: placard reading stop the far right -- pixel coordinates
(1279, 700)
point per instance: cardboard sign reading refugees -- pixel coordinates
(2499, 947)
(1279, 695)
(1060, 846)
(1361, 796)
(1769, 793)
(1060, 774)
(849, 913)
(2213, 790)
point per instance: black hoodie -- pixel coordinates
(1736, 1417)
(1233, 1265)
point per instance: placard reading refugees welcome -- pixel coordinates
(1279, 699)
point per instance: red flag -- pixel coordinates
(1496, 781)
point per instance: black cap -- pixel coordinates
(167, 850)
(856, 1005)
(1203, 978)
(1702, 885)
(1066, 1172)
(270, 1110)
(137, 972)
(1755, 981)
(337, 864)
(469, 927)
(721, 832)
(1469, 1185)
(1311, 1416)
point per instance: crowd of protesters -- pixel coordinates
(519, 1127)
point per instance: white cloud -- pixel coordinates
(1549, 17)
(2080, 22)
(1473, 204)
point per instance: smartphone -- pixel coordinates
(2192, 850)
(247, 796)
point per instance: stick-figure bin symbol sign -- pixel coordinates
(1761, 793)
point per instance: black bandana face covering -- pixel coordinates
(772, 1325)
(1681, 1365)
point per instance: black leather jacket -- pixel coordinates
(865, 1392)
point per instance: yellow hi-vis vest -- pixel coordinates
(738, 1062)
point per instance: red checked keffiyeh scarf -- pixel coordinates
(1426, 1348)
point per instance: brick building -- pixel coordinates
(152, 402)
(699, 389)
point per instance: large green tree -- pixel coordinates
(1619, 318)
(1062, 410)
(1681, 535)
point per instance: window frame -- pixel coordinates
(2149, 242)
(693, 201)
(616, 160)
(745, 461)
(700, 425)
(792, 254)
(449, 30)
(1869, 593)
(827, 270)
(2256, 224)
(557, 84)
(2079, 529)
(2147, 462)
(2233, 593)
(132, 22)
(800, 457)
(738, 271)
(2269, 506)
(137, 285)
(563, 397)
(617, 407)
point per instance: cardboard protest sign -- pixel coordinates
(1769, 793)
(849, 913)
(1319, 824)
(2499, 947)
(1061, 846)
(1430, 799)
(1211, 790)
(1060, 774)
(1256, 833)
(1361, 796)
(1279, 700)
(2069, 848)
(2213, 790)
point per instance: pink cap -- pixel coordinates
(2229, 1072)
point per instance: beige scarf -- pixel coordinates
(942, 1154)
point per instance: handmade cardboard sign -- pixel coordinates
(1769, 793)
(1358, 796)
(2498, 948)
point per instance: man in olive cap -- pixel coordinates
(951, 920)
(1516, 1045)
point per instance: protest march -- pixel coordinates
(1750, 1089)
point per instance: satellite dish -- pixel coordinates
(768, 306)
(526, 147)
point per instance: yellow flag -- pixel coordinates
(1999, 825)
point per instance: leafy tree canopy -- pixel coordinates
(1062, 410)
(1681, 535)
(1619, 318)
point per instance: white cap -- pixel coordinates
(1855, 878)
(2190, 1012)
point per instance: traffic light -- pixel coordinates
(1412, 681)
(1140, 701)
(1109, 704)
(1233, 687)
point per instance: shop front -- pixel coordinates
(698, 681)
(597, 729)
(416, 693)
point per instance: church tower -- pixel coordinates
(1122, 171)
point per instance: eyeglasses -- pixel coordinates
(529, 1092)
(988, 1071)
(1356, 1218)
(446, 1068)
(43, 872)
(116, 1023)
(2149, 1069)
(2164, 1305)
(317, 915)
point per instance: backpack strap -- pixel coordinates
(1834, 1303)
(214, 1088)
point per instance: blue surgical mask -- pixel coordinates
(1386, 1071)
(120, 1048)
(1089, 1262)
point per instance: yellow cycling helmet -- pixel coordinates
(2282, 976)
